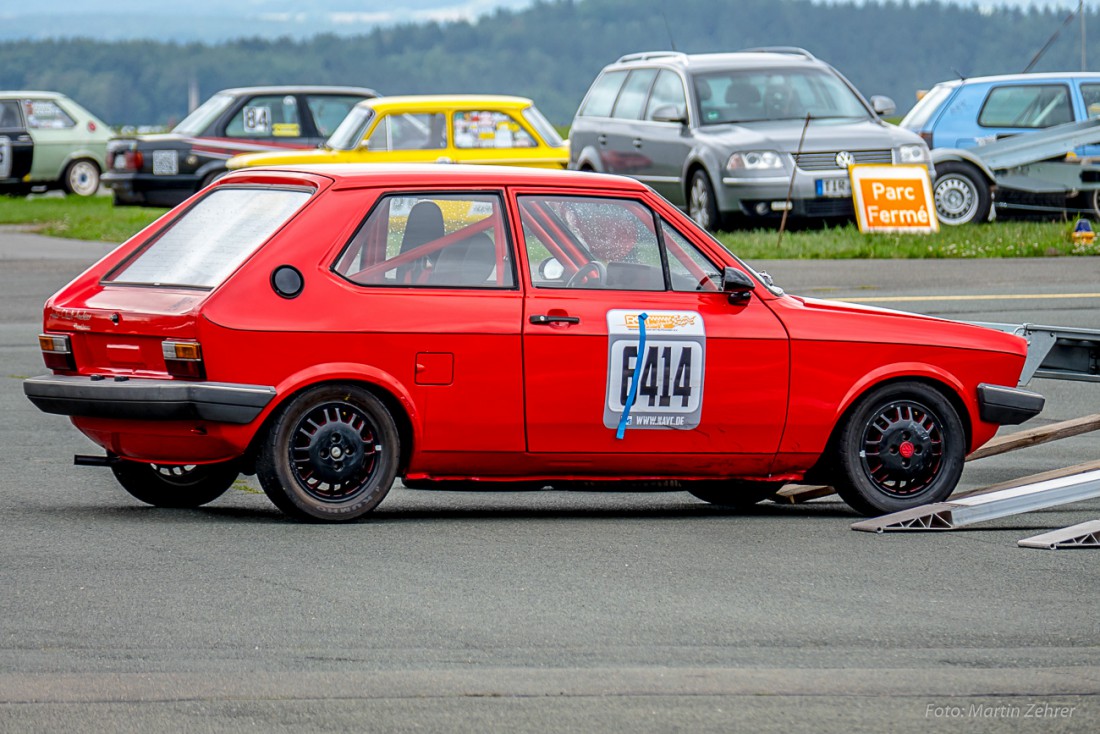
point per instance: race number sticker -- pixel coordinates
(670, 372)
(257, 120)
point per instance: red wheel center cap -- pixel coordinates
(906, 449)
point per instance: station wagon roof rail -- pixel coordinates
(647, 55)
(791, 50)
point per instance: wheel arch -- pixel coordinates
(943, 383)
(961, 155)
(382, 385)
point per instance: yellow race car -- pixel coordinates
(485, 129)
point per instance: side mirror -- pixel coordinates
(669, 113)
(551, 269)
(883, 106)
(738, 285)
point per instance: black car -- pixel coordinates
(163, 170)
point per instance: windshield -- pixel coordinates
(209, 240)
(543, 127)
(197, 122)
(925, 108)
(774, 94)
(351, 130)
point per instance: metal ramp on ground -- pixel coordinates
(986, 506)
(1082, 535)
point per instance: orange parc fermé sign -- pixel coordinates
(893, 199)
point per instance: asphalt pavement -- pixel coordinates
(543, 611)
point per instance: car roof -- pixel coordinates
(435, 174)
(300, 89)
(33, 93)
(447, 101)
(754, 58)
(1039, 76)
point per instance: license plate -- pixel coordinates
(834, 187)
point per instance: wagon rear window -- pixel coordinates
(208, 241)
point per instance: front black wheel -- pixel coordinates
(901, 447)
(331, 454)
(738, 493)
(702, 205)
(167, 485)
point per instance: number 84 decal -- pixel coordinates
(670, 374)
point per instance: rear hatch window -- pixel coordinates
(206, 243)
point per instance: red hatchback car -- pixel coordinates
(333, 328)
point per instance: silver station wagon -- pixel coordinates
(737, 135)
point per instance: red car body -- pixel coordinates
(516, 376)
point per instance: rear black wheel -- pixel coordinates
(901, 447)
(167, 485)
(961, 194)
(331, 454)
(738, 493)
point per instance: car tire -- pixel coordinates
(330, 455)
(81, 178)
(737, 493)
(900, 447)
(702, 206)
(181, 487)
(1092, 204)
(961, 194)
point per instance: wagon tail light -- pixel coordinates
(57, 352)
(926, 136)
(183, 359)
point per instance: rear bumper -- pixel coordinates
(142, 399)
(147, 188)
(1008, 406)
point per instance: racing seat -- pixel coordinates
(466, 262)
(424, 225)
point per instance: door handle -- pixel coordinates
(637, 142)
(542, 320)
(601, 139)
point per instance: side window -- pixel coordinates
(328, 110)
(1090, 93)
(668, 91)
(431, 240)
(9, 114)
(489, 129)
(580, 242)
(689, 269)
(427, 131)
(601, 98)
(631, 100)
(44, 114)
(271, 116)
(1034, 106)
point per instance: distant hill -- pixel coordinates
(551, 50)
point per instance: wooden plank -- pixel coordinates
(1036, 436)
(1065, 471)
(794, 494)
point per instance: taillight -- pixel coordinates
(926, 136)
(57, 352)
(183, 359)
(128, 160)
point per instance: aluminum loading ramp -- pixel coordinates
(1082, 535)
(988, 506)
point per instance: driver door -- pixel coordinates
(712, 376)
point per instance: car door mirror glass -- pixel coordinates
(551, 269)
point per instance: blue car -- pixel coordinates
(967, 113)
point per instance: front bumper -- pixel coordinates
(143, 399)
(1008, 406)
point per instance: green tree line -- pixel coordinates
(552, 50)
